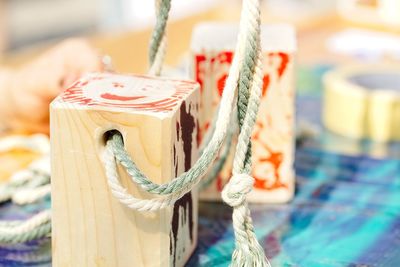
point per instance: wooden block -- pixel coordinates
(158, 120)
(273, 138)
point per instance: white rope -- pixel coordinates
(26, 226)
(157, 65)
(235, 191)
(25, 187)
(222, 124)
(30, 195)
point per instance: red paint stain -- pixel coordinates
(266, 82)
(221, 84)
(257, 130)
(109, 96)
(220, 184)
(284, 62)
(74, 94)
(225, 57)
(275, 159)
(199, 60)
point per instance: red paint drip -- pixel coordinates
(221, 84)
(284, 62)
(199, 60)
(225, 57)
(266, 81)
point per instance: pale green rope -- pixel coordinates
(248, 251)
(187, 178)
(30, 179)
(33, 234)
(163, 7)
(182, 181)
(8, 189)
(38, 226)
(245, 81)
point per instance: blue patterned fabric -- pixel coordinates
(346, 213)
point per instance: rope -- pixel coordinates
(31, 195)
(38, 226)
(187, 179)
(248, 251)
(158, 41)
(26, 187)
(184, 182)
(31, 180)
(158, 44)
(246, 75)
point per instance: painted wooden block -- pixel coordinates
(273, 138)
(158, 120)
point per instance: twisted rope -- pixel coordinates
(27, 196)
(30, 180)
(184, 182)
(158, 41)
(26, 187)
(246, 75)
(248, 251)
(38, 226)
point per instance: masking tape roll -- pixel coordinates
(363, 101)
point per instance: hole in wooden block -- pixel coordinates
(108, 134)
(102, 135)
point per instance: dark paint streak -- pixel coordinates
(187, 127)
(175, 161)
(198, 134)
(178, 128)
(186, 202)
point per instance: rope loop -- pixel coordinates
(235, 191)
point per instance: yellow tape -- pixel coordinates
(363, 102)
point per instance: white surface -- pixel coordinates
(274, 37)
(140, 14)
(364, 43)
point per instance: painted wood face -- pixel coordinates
(159, 120)
(273, 136)
(139, 93)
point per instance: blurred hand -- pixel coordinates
(39, 82)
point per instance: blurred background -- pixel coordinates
(334, 29)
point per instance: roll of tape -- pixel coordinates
(363, 101)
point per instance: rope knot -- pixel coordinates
(236, 190)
